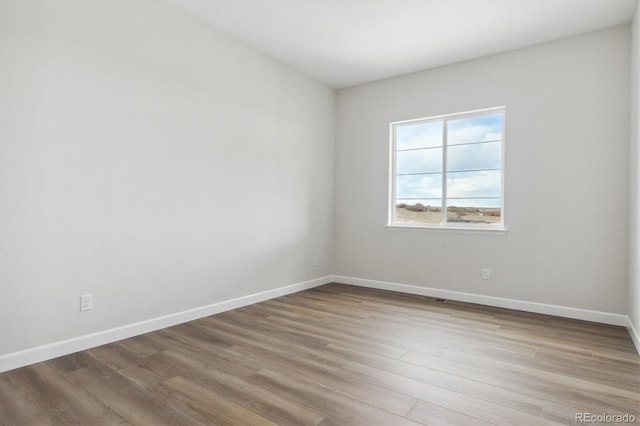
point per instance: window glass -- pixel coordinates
(419, 135)
(469, 153)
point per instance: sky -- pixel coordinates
(474, 152)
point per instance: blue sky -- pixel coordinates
(474, 149)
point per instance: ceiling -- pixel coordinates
(348, 42)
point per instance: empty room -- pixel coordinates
(319, 212)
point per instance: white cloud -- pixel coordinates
(474, 184)
(475, 129)
(419, 186)
(475, 156)
(419, 161)
(420, 135)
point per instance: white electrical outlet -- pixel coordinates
(86, 302)
(486, 274)
(314, 261)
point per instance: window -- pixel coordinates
(447, 171)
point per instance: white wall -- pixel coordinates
(152, 162)
(567, 176)
(634, 246)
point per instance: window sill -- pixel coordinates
(461, 229)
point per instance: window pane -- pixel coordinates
(475, 129)
(419, 161)
(486, 183)
(419, 186)
(418, 212)
(474, 157)
(473, 151)
(420, 135)
(473, 211)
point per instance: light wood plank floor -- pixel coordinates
(339, 355)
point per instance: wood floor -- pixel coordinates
(339, 355)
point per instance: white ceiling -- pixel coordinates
(347, 42)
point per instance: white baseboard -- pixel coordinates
(521, 305)
(53, 350)
(633, 332)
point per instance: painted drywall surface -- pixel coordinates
(153, 163)
(567, 132)
(634, 215)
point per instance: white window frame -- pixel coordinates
(445, 225)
